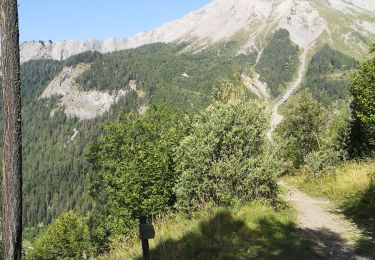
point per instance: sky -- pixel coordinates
(100, 19)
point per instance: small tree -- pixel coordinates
(363, 109)
(133, 171)
(302, 127)
(227, 89)
(222, 160)
(65, 238)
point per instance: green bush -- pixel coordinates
(65, 238)
(312, 137)
(133, 171)
(221, 160)
(301, 128)
(363, 107)
(321, 162)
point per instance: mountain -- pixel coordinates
(348, 25)
(68, 90)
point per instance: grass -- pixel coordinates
(253, 231)
(351, 188)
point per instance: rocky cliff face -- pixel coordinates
(76, 102)
(64, 49)
(343, 22)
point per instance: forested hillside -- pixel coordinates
(55, 166)
(167, 75)
(279, 62)
(328, 75)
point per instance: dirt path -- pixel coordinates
(334, 235)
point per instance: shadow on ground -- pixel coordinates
(362, 212)
(223, 237)
(329, 244)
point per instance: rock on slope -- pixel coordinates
(78, 103)
(345, 21)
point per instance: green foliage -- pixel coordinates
(133, 171)
(279, 62)
(337, 129)
(314, 137)
(333, 142)
(301, 127)
(65, 238)
(327, 75)
(320, 162)
(54, 168)
(372, 48)
(363, 109)
(221, 160)
(84, 57)
(227, 89)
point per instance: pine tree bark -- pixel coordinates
(12, 145)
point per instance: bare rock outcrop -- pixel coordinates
(76, 102)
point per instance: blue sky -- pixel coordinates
(101, 19)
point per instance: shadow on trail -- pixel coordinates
(223, 237)
(329, 244)
(362, 212)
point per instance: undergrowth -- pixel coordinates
(253, 231)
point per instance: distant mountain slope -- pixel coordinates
(346, 24)
(327, 75)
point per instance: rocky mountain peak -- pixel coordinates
(306, 20)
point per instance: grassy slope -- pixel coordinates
(255, 231)
(352, 188)
(339, 25)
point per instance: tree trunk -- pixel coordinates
(12, 150)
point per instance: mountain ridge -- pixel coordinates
(220, 20)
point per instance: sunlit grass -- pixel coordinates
(349, 182)
(254, 231)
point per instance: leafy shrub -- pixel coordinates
(301, 127)
(65, 238)
(133, 171)
(321, 162)
(363, 107)
(221, 159)
(311, 137)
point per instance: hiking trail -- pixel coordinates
(334, 235)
